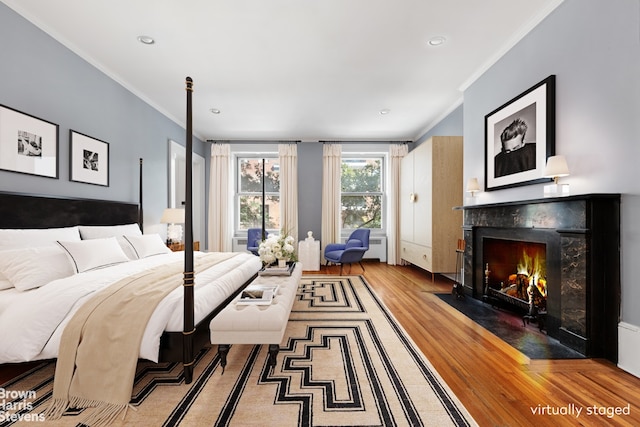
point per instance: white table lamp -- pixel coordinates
(556, 168)
(473, 187)
(174, 217)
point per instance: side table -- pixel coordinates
(309, 255)
(176, 247)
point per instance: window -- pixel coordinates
(362, 192)
(249, 192)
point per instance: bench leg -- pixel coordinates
(273, 354)
(223, 350)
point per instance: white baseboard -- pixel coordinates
(628, 348)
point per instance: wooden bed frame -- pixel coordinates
(39, 211)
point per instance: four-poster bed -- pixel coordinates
(222, 281)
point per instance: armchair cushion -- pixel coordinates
(331, 247)
(353, 243)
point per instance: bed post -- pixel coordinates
(140, 211)
(189, 327)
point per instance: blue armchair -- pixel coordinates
(351, 251)
(254, 237)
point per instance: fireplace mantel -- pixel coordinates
(583, 232)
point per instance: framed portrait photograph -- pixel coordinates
(519, 137)
(89, 159)
(28, 144)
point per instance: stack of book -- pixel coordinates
(257, 295)
(277, 271)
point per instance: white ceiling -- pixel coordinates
(293, 69)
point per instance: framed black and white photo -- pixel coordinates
(28, 144)
(519, 137)
(89, 159)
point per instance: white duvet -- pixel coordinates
(31, 322)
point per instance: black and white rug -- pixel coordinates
(344, 361)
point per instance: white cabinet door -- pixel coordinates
(406, 204)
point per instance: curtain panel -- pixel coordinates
(396, 153)
(331, 164)
(288, 157)
(220, 233)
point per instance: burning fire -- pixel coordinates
(533, 269)
(530, 271)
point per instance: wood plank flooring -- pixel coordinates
(497, 384)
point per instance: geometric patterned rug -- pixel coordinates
(344, 361)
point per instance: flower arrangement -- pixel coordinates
(277, 248)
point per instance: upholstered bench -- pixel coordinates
(257, 324)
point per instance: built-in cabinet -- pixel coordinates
(431, 186)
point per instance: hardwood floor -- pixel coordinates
(498, 385)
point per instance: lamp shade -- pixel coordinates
(172, 216)
(472, 185)
(556, 166)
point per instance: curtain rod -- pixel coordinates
(366, 142)
(247, 141)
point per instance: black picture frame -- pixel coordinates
(88, 159)
(533, 112)
(28, 144)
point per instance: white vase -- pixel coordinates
(282, 263)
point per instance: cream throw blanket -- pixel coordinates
(99, 347)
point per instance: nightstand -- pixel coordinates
(176, 247)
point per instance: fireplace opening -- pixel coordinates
(515, 274)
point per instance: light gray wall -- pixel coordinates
(593, 48)
(310, 189)
(41, 77)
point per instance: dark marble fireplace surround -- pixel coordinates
(582, 238)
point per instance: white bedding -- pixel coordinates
(31, 322)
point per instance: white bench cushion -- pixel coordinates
(258, 324)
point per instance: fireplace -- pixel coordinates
(567, 248)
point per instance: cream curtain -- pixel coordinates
(288, 154)
(220, 233)
(396, 153)
(331, 163)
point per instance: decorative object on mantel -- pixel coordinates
(277, 248)
(472, 187)
(174, 217)
(519, 136)
(556, 167)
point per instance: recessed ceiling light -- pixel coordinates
(146, 39)
(214, 111)
(385, 111)
(436, 41)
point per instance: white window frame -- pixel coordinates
(237, 158)
(346, 155)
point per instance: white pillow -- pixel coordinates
(95, 253)
(103, 231)
(147, 245)
(29, 268)
(32, 237)
(117, 231)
